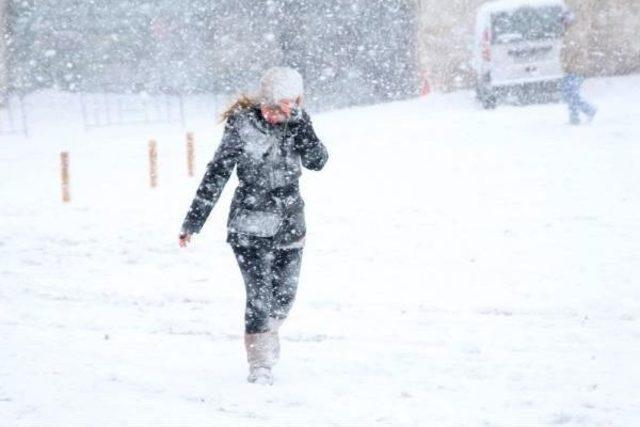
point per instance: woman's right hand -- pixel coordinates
(184, 240)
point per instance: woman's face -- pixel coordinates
(280, 111)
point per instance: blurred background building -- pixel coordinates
(4, 36)
(349, 51)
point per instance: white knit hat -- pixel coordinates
(280, 83)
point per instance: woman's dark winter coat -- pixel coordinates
(266, 205)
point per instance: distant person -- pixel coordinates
(574, 61)
(268, 138)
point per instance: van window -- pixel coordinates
(527, 24)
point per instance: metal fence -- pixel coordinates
(13, 117)
(108, 109)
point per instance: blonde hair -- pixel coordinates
(243, 102)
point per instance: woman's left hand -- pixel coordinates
(184, 240)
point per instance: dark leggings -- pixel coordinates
(271, 280)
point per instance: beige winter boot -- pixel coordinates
(261, 350)
(274, 327)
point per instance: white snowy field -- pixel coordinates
(463, 268)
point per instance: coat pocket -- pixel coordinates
(256, 223)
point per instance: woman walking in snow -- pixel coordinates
(267, 138)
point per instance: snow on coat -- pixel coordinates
(267, 201)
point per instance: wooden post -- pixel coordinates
(64, 175)
(153, 163)
(190, 153)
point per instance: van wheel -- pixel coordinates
(485, 94)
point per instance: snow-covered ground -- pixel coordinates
(463, 268)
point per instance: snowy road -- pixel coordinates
(463, 268)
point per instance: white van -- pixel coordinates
(516, 49)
